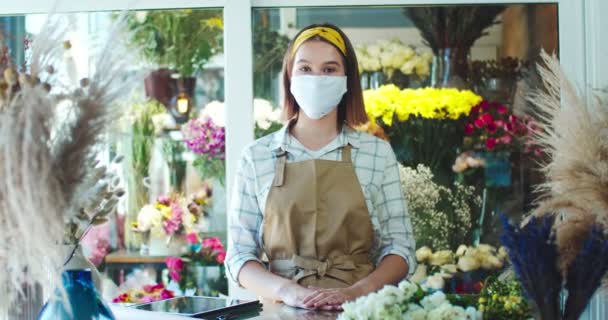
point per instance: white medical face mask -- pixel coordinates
(318, 95)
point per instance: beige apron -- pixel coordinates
(317, 229)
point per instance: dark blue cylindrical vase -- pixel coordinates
(83, 300)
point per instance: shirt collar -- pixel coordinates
(346, 136)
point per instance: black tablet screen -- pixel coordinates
(190, 306)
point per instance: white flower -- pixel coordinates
(472, 314)
(461, 250)
(420, 274)
(442, 257)
(491, 262)
(502, 253)
(161, 121)
(374, 51)
(486, 248)
(433, 301)
(215, 111)
(264, 114)
(140, 16)
(408, 67)
(408, 288)
(435, 281)
(414, 312)
(468, 263)
(422, 68)
(451, 268)
(147, 218)
(423, 254)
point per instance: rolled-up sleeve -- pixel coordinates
(245, 219)
(396, 234)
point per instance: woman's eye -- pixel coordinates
(329, 70)
(305, 69)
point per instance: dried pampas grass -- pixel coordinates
(46, 160)
(576, 142)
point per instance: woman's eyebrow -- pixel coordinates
(302, 61)
(331, 62)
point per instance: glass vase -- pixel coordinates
(376, 79)
(497, 169)
(209, 280)
(81, 299)
(450, 68)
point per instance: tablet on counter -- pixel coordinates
(204, 307)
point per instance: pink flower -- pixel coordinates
(166, 294)
(147, 299)
(192, 238)
(506, 139)
(173, 224)
(149, 288)
(490, 144)
(221, 257)
(499, 123)
(468, 129)
(121, 298)
(213, 243)
(502, 109)
(479, 122)
(174, 263)
(513, 118)
(487, 118)
(509, 127)
(175, 276)
(164, 200)
(491, 127)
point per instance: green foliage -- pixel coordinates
(181, 40)
(268, 50)
(503, 300)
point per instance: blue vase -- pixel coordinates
(497, 169)
(83, 299)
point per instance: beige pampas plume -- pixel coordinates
(46, 156)
(575, 139)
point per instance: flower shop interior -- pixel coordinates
(496, 111)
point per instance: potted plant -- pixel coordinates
(179, 42)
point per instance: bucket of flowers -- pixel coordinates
(200, 270)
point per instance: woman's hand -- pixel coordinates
(293, 294)
(330, 299)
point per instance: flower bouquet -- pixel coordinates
(149, 293)
(172, 216)
(493, 133)
(396, 60)
(200, 267)
(441, 216)
(208, 142)
(409, 301)
(424, 125)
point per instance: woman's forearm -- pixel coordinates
(262, 282)
(391, 270)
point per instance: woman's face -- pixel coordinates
(319, 58)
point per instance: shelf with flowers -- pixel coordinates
(200, 269)
(164, 224)
(423, 125)
(392, 61)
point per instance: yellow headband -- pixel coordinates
(328, 34)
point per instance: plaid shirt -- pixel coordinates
(376, 168)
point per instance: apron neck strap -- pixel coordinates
(346, 153)
(279, 174)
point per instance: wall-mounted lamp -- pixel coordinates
(182, 103)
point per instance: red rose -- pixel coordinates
(502, 109)
(491, 127)
(476, 109)
(490, 144)
(468, 129)
(221, 257)
(509, 127)
(487, 118)
(513, 118)
(479, 123)
(174, 263)
(485, 105)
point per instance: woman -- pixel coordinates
(320, 202)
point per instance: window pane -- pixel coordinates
(400, 46)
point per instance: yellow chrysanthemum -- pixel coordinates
(388, 102)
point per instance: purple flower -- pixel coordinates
(204, 137)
